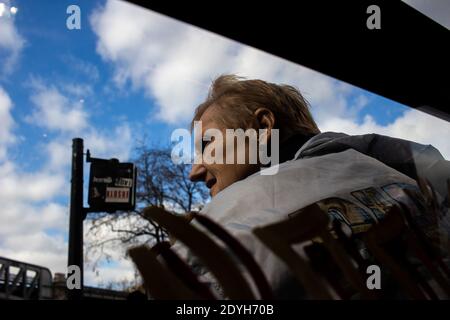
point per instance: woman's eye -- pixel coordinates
(205, 143)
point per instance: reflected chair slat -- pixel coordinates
(214, 258)
(389, 241)
(178, 267)
(255, 272)
(160, 282)
(304, 226)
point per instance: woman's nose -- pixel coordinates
(198, 172)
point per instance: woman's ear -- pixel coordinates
(266, 120)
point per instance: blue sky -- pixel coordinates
(130, 73)
(55, 55)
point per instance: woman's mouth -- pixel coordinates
(211, 182)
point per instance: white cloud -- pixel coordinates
(59, 153)
(103, 231)
(37, 248)
(18, 186)
(113, 143)
(78, 90)
(54, 111)
(6, 123)
(28, 213)
(26, 217)
(175, 62)
(81, 67)
(33, 221)
(412, 125)
(62, 110)
(11, 44)
(121, 271)
(116, 143)
(27, 209)
(122, 268)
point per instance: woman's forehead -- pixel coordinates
(210, 118)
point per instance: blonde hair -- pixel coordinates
(239, 98)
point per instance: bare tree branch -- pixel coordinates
(160, 183)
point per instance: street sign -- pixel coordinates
(112, 186)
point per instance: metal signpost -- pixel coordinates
(112, 187)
